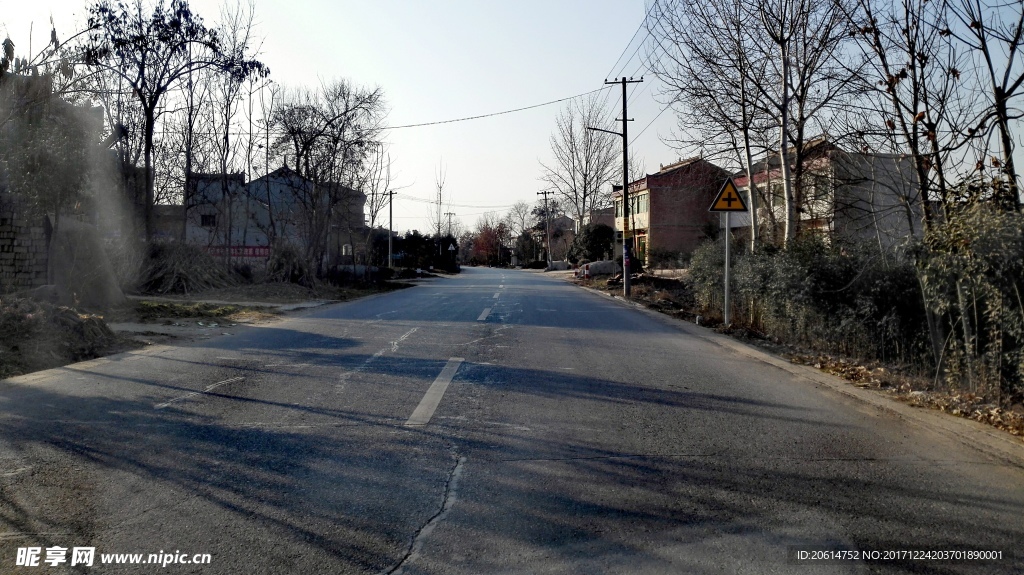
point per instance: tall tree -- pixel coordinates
(585, 161)
(152, 50)
(704, 54)
(329, 135)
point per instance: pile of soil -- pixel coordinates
(39, 335)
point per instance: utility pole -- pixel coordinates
(440, 187)
(391, 225)
(449, 214)
(547, 225)
(626, 280)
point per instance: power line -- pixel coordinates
(638, 28)
(495, 113)
(667, 106)
(426, 201)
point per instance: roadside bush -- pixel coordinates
(707, 267)
(826, 297)
(593, 242)
(244, 271)
(974, 278)
(128, 259)
(636, 265)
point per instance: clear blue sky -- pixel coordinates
(441, 60)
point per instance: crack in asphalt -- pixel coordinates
(416, 541)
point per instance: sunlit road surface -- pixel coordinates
(494, 422)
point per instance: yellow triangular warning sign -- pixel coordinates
(729, 199)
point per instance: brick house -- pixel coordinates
(669, 209)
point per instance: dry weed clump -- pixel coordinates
(182, 268)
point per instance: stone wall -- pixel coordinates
(23, 251)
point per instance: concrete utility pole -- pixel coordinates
(391, 225)
(626, 280)
(547, 225)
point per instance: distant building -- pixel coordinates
(244, 221)
(669, 209)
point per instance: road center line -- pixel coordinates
(343, 378)
(197, 393)
(394, 344)
(483, 316)
(425, 410)
(496, 295)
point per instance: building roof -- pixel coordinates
(813, 149)
(668, 172)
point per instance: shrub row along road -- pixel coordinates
(497, 421)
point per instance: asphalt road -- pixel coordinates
(494, 422)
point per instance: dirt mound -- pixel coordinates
(38, 335)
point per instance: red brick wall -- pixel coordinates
(679, 206)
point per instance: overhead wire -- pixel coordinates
(428, 201)
(481, 116)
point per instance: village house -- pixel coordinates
(669, 209)
(859, 197)
(242, 221)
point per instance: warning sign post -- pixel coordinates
(728, 201)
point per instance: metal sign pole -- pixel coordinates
(727, 242)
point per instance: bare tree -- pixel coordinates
(375, 181)
(151, 50)
(704, 53)
(330, 134)
(519, 217)
(237, 44)
(584, 161)
(803, 51)
(994, 33)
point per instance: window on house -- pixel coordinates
(346, 250)
(618, 208)
(643, 204)
(208, 220)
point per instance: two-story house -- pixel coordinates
(669, 208)
(243, 221)
(855, 196)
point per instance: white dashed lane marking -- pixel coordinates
(425, 410)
